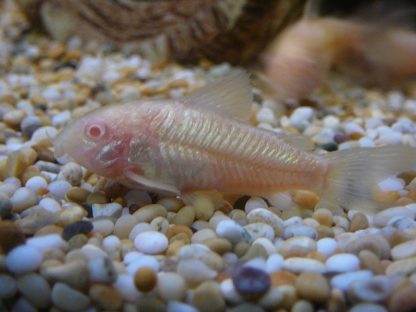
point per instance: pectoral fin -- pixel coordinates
(156, 186)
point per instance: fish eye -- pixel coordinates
(95, 131)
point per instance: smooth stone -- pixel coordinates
(312, 287)
(36, 183)
(404, 266)
(200, 236)
(249, 281)
(141, 262)
(70, 214)
(229, 292)
(185, 216)
(176, 306)
(59, 188)
(247, 307)
(297, 264)
(299, 230)
(23, 259)
(106, 297)
(272, 299)
(274, 263)
(403, 299)
(263, 215)
(297, 246)
(149, 212)
(373, 242)
(404, 250)
(255, 251)
(255, 203)
(138, 198)
(302, 306)
(257, 230)
(102, 270)
(145, 279)
(207, 297)
(78, 227)
(22, 304)
(171, 203)
(23, 198)
(218, 245)
(202, 253)
(11, 236)
(344, 280)
(92, 251)
(73, 273)
(326, 246)
(124, 225)
(342, 263)
(375, 289)
(140, 228)
(151, 242)
(69, 299)
(36, 220)
(125, 286)
(112, 210)
(103, 226)
(266, 244)
(232, 231)
(9, 286)
(35, 289)
(171, 286)
(46, 242)
(195, 271)
(368, 307)
(382, 218)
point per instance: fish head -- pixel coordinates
(97, 141)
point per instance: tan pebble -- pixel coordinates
(305, 199)
(412, 192)
(313, 287)
(149, 212)
(359, 222)
(207, 297)
(355, 136)
(241, 248)
(96, 198)
(36, 220)
(324, 231)
(174, 247)
(289, 296)
(180, 237)
(370, 261)
(375, 243)
(77, 194)
(289, 213)
(13, 118)
(70, 214)
(49, 229)
(171, 203)
(387, 198)
(323, 216)
(201, 235)
(3, 168)
(10, 236)
(124, 225)
(204, 208)
(18, 161)
(106, 297)
(178, 228)
(405, 266)
(283, 277)
(72, 173)
(28, 173)
(255, 251)
(336, 301)
(297, 246)
(397, 238)
(404, 250)
(316, 255)
(77, 241)
(145, 279)
(185, 216)
(160, 224)
(403, 300)
(56, 51)
(218, 244)
(302, 306)
(54, 254)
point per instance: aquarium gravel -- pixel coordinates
(73, 241)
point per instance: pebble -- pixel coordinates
(11, 236)
(195, 271)
(326, 246)
(301, 117)
(35, 289)
(6, 207)
(383, 217)
(23, 305)
(103, 226)
(74, 273)
(404, 250)
(143, 261)
(22, 199)
(218, 245)
(106, 297)
(176, 306)
(30, 124)
(59, 188)
(185, 216)
(375, 243)
(207, 297)
(299, 230)
(137, 198)
(298, 264)
(344, 280)
(79, 227)
(202, 253)
(251, 282)
(9, 286)
(36, 183)
(262, 215)
(72, 173)
(232, 231)
(151, 242)
(47, 242)
(359, 222)
(69, 299)
(124, 225)
(102, 270)
(298, 246)
(257, 230)
(171, 286)
(404, 266)
(375, 289)
(342, 263)
(229, 292)
(312, 287)
(255, 203)
(23, 259)
(274, 263)
(403, 299)
(145, 279)
(111, 210)
(368, 307)
(149, 212)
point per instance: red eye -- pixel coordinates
(95, 131)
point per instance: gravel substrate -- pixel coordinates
(72, 241)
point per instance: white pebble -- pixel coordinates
(140, 228)
(23, 259)
(195, 271)
(50, 204)
(102, 270)
(125, 286)
(61, 119)
(44, 133)
(384, 216)
(343, 281)
(366, 142)
(111, 244)
(257, 263)
(388, 135)
(299, 230)
(143, 261)
(331, 122)
(36, 183)
(274, 263)
(106, 210)
(92, 251)
(151, 242)
(23, 198)
(326, 246)
(254, 203)
(58, 188)
(46, 242)
(352, 127)
(298, 264)
(229, 292)
(266, 115)
(343, 262)
(391, 184)
(103, 226)
(177, 306)
(51, 94)
(257, 230)
(301, 116)
(231, 230)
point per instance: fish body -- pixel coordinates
(204, 142)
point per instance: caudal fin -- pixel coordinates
(353, 176)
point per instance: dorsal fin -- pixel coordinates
(231, 96)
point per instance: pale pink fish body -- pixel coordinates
(203, 142)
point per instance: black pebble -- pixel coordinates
(330, 146)
(250, 281)
(79, 227)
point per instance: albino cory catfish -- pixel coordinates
(203, 142)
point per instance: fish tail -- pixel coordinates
(353, 176)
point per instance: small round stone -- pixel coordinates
(10, 236)
(145, 279)
(79, 227)
(359, 222)
(71, 172)
(404, 250)
(124, 225)
(23, 259)
(171, 286)
(344, 280)
(69, 299)
(299, 264)
(59, 188)
(218, 245)
(375, 243)
(22, 199)
(342, 263)
(149, 212)
(102, 270)
(106, 297)
(323, 216)
(195, 271)
(305, 199)
(36, 183)
(368, 307)
(103, 226)
(376, 289)
(36, 289)
(251, 282)
(207, 297)
(151, 242)
(185, 216)
(312, 287)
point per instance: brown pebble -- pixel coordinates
(106, 297)
(279, 278)
(324, 231)
(207, 297)
(403, 300)
(18, 161)
(305, 199)
(49, 229)
(359, 222)
(10, 236)
(96, 198)
(323, 216)
(77, 194)
(174, 247)
(370, 261)
(178, 228)
(30, 172)
(145, 279)
(185, 216)
(218, 244)
(313, 287)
